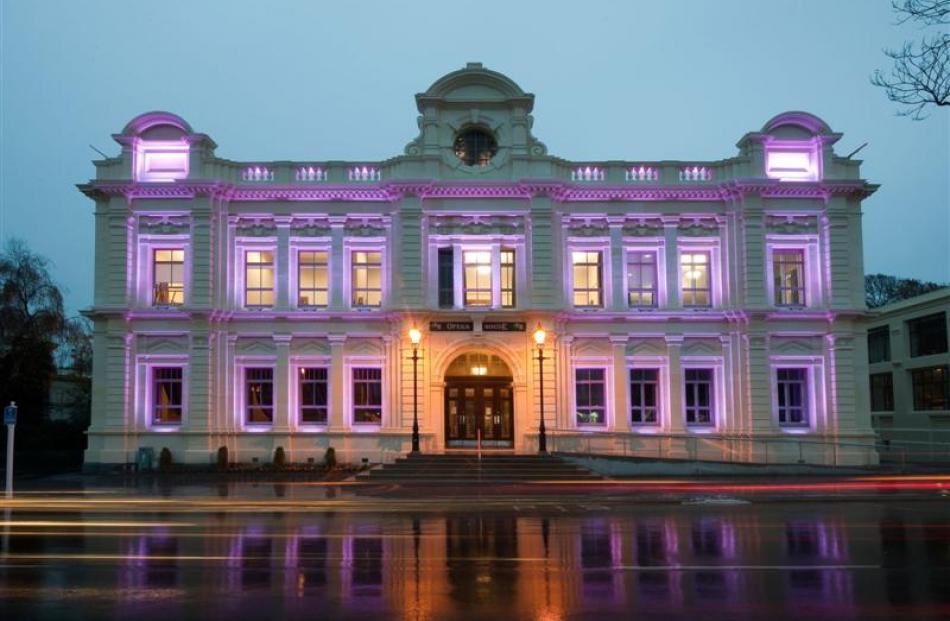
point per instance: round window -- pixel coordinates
(475, 147)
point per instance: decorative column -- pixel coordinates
(621, 418)
(337, 382)
(337, 261)
(200, 389)
(672, 262)
(284, 261)
(407, 253)
(677, 447)
(200, 291)
(282, 384)
(674, 346)
(618, 286)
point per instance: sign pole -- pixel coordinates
(9, 487)
(9, 417)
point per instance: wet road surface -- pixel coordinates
(690, 550)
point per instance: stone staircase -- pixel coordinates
(467, 469)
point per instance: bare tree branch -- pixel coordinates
(930, 12)
(920, 76)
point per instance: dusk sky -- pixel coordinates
(335, 80)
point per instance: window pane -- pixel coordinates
(928, 335)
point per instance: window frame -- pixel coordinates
(461, 244)
(805, 382)
(576, 382)
(244, 370)
(511, 268)
(888, 395)
(490, 255)
(915, 392)
(352, 266)
(714, 391)
(296, 249)
(603, 275)
(153, 251)
(655, 290)
(779, 289)
(144, 392)
(153, 394)
(352, 406)
(299, 371)
(246, 267)
(808, 245)
(658, 396)
(695, 290)
(876, 332)
(913, 338)
(145, 271)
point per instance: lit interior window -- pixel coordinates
(168, 276)
(587, 278)
(477, 277)
(791, 165)
(161, 161)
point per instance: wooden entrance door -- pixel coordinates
(478, 405)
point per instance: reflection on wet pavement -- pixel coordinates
(778, 560)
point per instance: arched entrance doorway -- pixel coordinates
(478, 402)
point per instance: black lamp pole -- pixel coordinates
(542, 433)
(415, 398)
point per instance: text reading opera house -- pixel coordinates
(676, 309)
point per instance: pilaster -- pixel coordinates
(672, 262)
(282, 384)
(621, 418)
(337, 382)
(283, 262)
(337, 262)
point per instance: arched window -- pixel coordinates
(475, 147)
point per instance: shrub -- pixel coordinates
(165, 460)
(223, 458)
(329, 458)
(280, 458)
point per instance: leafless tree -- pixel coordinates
(920, 77)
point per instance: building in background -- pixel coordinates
(703, 310)
(910, 377)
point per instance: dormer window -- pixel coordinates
(792, 161)
(475, 147)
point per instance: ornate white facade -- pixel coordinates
(708, 310)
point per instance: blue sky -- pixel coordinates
(335, 80)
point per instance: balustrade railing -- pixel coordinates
(364, 173)
(257, 173)
(642, 173)
(310, 173)
(588, 173)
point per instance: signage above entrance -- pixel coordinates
(504, 326)
(451, 326)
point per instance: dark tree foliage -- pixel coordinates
(920, 75)
(31, 320)
(35, 335)
(881, 289)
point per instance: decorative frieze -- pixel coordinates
(791, 224)
(698, 227)
(477, 224)
(254, 226)
(164, 224)
(310, 227)
(643, 227)
(579, 226)
(366, 226)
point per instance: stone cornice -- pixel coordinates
(524, 189)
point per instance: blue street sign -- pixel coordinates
(9, 414)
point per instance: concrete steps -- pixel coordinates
(468, 469)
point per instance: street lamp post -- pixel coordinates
(415, 336)
(539, 335)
